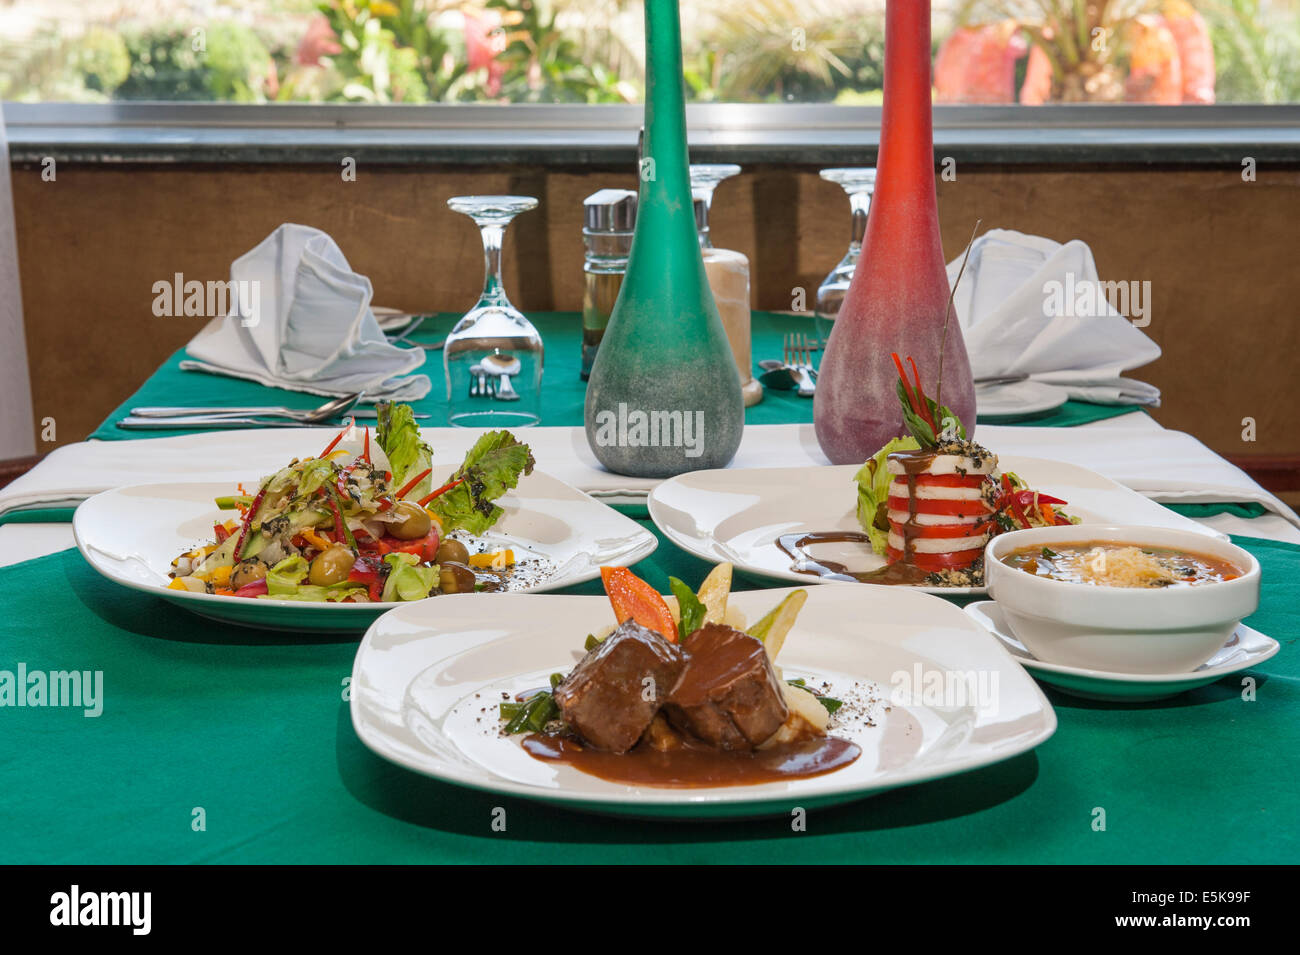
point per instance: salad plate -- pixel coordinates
(132, 535)
(1246, 648)
(738, 515)
(429, 678)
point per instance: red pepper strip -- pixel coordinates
(442, 490)
(902, 375)
(1011, 498)
(365, 453)
(331, 445)
(1027, 498)
(406, 488)
(248, 522)
(920, 394)
(633, 599)
(221, 533)
(340, 528)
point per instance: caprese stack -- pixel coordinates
(939, 508)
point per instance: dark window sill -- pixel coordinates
(606, 135)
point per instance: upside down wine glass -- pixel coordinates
(859, 183)
(493, 356)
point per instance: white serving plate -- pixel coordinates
(131, 535)
(1246, 648)
(427, 680)
(737, 514)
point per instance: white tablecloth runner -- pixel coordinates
(1167, 466)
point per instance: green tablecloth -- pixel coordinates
(252, 727)
(562, 388)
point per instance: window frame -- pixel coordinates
(569, 135)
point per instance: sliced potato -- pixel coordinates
(713, 593)
(807, 719)
(774, 627)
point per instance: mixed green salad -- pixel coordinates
(361, 522)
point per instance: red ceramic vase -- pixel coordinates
(899, 293)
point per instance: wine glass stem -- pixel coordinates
(705, 193)
(493, 289)
(859, 201)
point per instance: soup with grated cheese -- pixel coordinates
(1105, 564)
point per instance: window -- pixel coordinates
(589, 51)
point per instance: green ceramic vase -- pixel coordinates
(664, 397)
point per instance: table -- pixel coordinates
(254, 730)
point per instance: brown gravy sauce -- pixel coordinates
(900, 572)
(696, 765)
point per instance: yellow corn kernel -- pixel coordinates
(498, 560)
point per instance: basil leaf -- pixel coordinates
(691, 610)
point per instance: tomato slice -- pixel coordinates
(425, 548)
(958, 560)
(957, 508)
(633, 599)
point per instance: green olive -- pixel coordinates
(455, 578)
(415, 523)
(331, 565)
(452, 551)
(247, 572)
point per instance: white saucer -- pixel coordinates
(1018, 399)
(1247, 648)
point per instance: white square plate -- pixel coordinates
(429, 676)
(131, 535)
(737, 515)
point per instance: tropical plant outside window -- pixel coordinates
(589, 51)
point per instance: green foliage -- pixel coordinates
(1255, 62)
(391, 51)
(784, 50)
(236, 63)
(165, 65)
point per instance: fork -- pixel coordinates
(797, 354)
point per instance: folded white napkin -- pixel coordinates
(301, 320)
(1032, 306)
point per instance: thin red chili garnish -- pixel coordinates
(442, 490)
(330, 447)
(248, 522)
(1010, 496)
(365, 453)
(902, 375)
(406, 488)
(920, 395)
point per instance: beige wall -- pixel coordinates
(1220, 255)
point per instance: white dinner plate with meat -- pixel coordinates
(738, 515)
(925, 693)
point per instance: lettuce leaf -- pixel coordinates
(284, 581)
(399, 436)
(491, 468)
(406, 581)
(873, 492)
